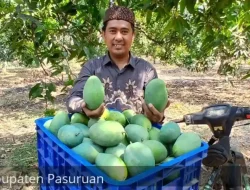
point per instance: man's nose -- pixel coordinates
(118, 36)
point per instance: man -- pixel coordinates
(124, 76)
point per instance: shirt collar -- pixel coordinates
(107, 59)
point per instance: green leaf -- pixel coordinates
(149, 16)
(7, 25)
(67, 83)
(190, 6)
(183, 22)
(50, 24)
(221, 4)
(42, 2)
(51, 87)
(199, 28)
(50, 112)
(182, 6)
(246, 4)
(73, 54)
(146, 4)
(176, 2)
(49, 97)
(119, 2)
(102, 12)
(207, 41)
(81, 54)
(36, 91)
(244, 19)
(32, 4)
(169, 25)
(87, 52)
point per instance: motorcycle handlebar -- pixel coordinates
(243, 113)
(219, 117)
(234, 113)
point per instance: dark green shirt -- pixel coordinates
(123, 88)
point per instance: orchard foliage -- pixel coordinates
(191, 33)
(197, 33)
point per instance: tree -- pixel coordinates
(191, 33)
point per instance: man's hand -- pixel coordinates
(152, 113)
(93, 113)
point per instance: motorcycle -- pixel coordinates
(229, 168)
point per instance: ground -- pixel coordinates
(188, 92)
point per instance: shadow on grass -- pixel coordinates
(16, 100)
(201, 92)
(19, 155)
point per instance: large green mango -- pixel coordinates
(116, 116)
(116, 150)
(47, 123)
(156, 93)
(60, 119)
(79, 118)
(154, 134)
(84, 128)
(136, 133)
(169, 132)
(93, 92)
(92, 121)
(172, 176)
(159, 151)
(141, 120)
(70, 135)
(107, 133)
(138, 158)
(88, 150)
(185, 143)
(112, 165)
(129, 113)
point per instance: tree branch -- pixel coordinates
(150, 38)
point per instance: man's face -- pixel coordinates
(118, 37)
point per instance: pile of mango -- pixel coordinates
(122, 144)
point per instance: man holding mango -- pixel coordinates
(124, 75)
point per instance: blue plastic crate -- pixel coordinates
(62, 169)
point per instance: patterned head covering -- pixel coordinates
(119, 13)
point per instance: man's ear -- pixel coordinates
(102, 34)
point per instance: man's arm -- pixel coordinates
(75, 99)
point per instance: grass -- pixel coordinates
(24, 156)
